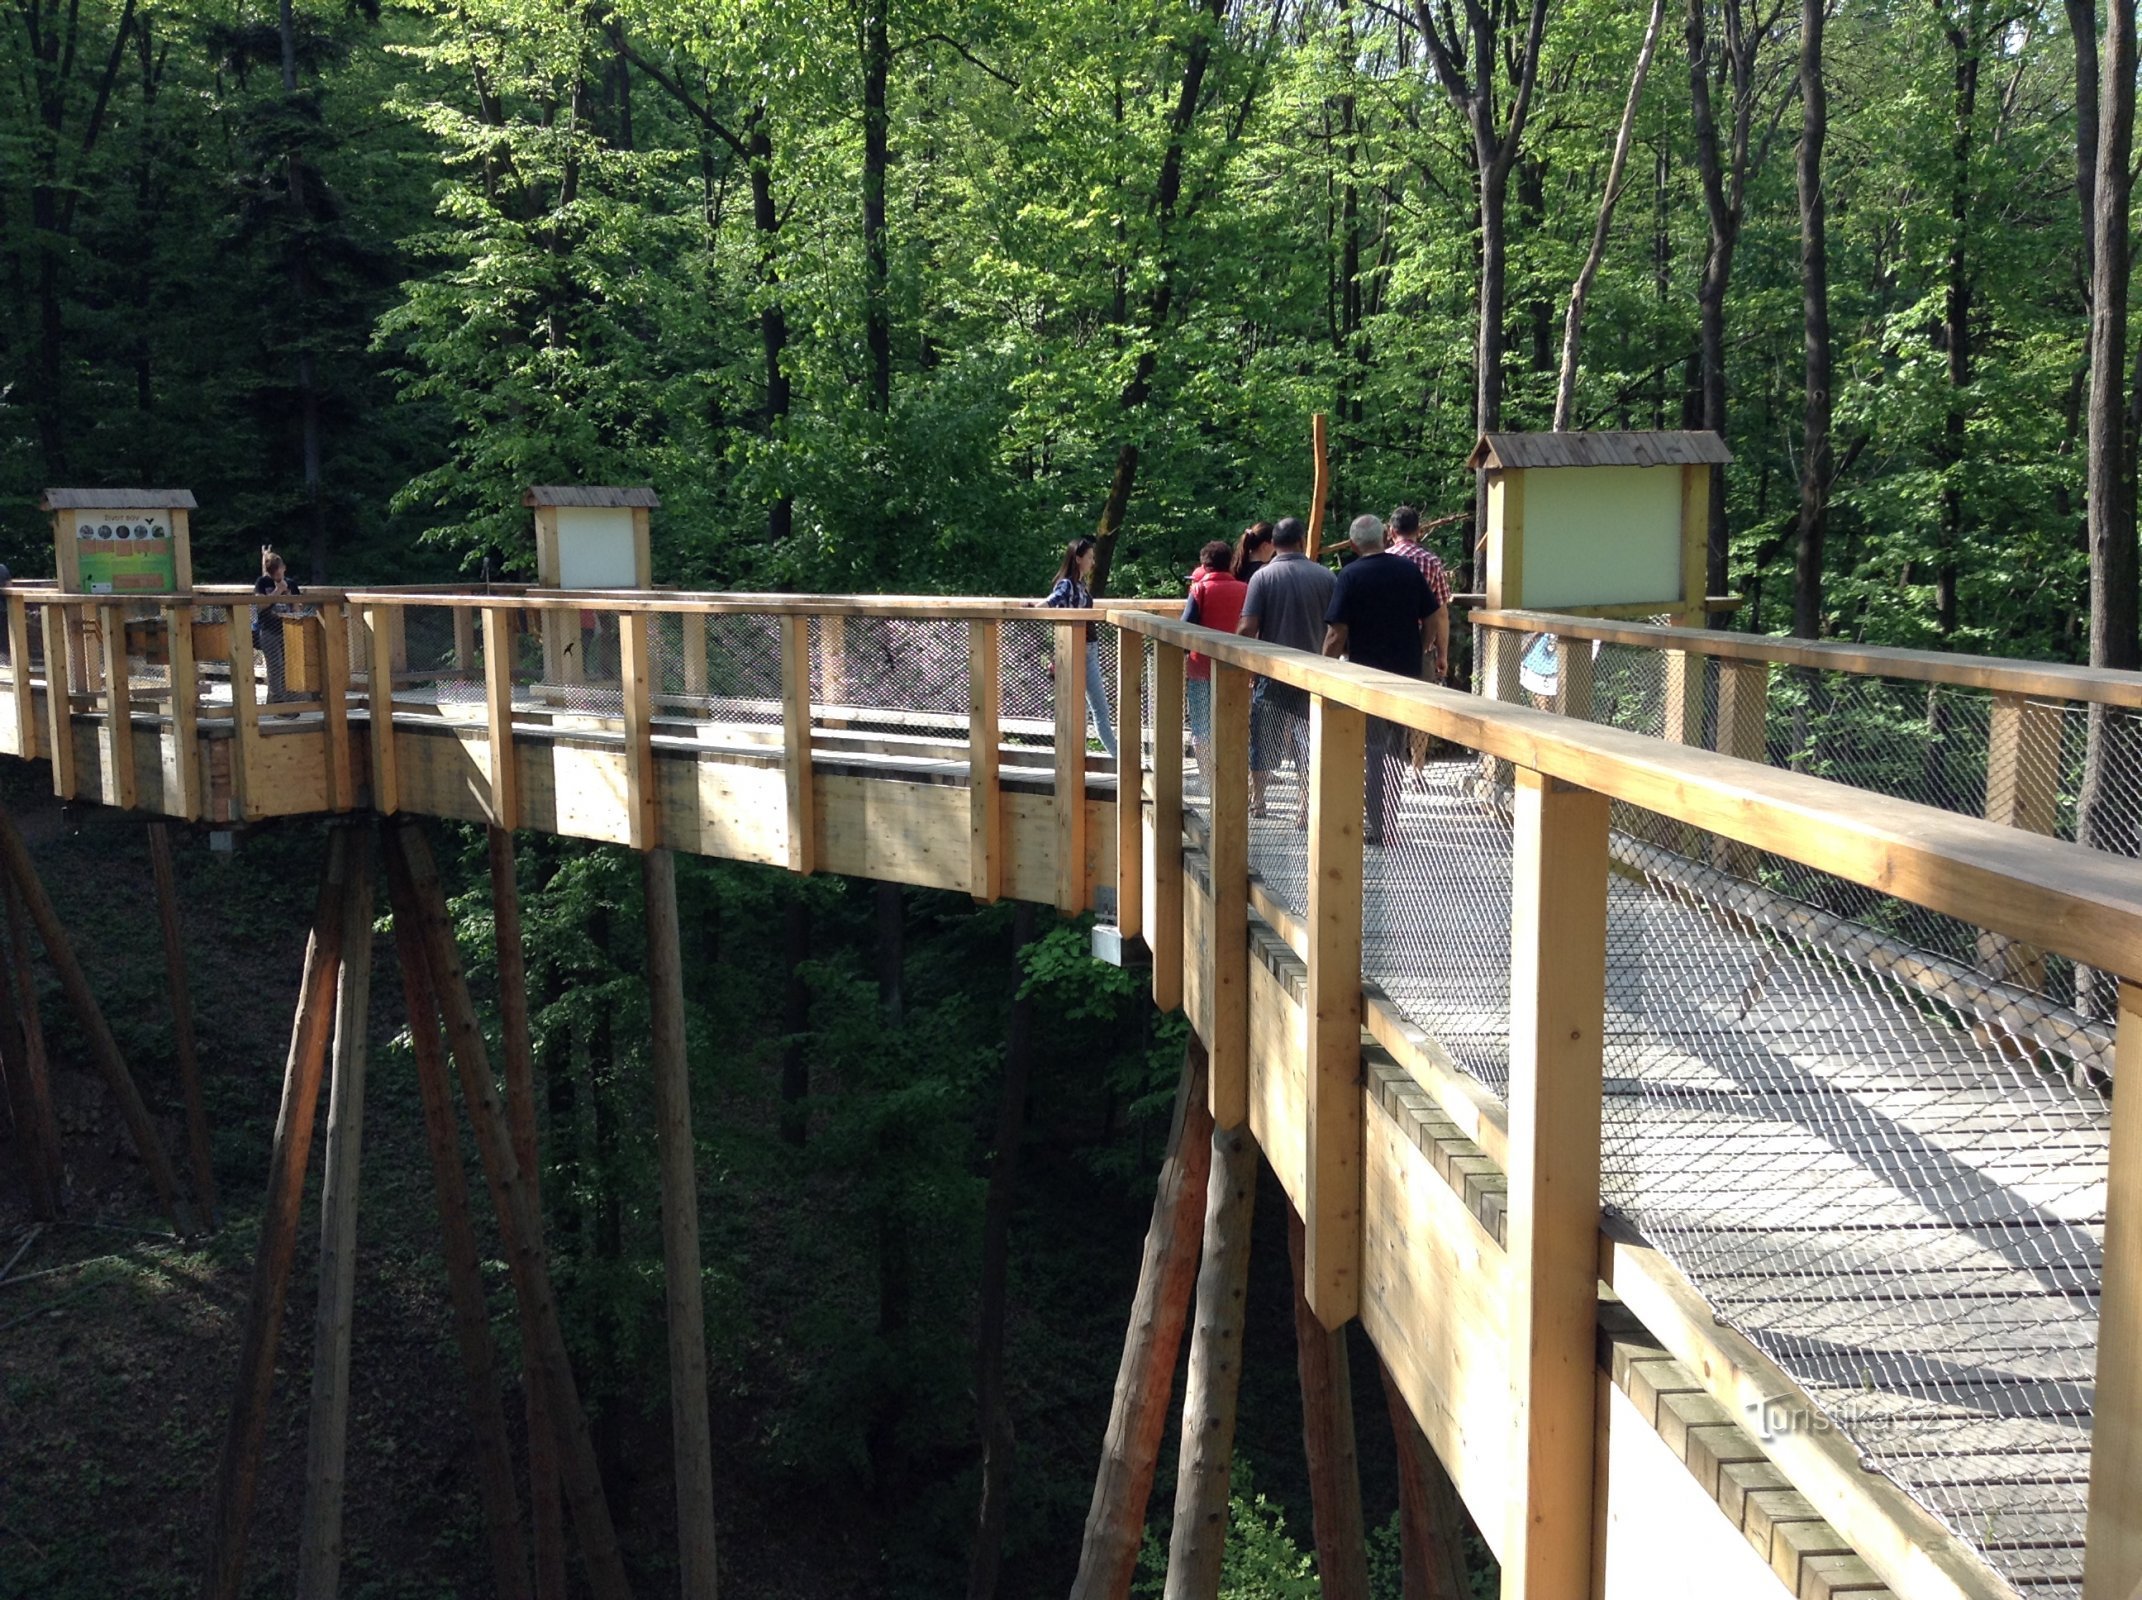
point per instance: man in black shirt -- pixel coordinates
(1375, 618)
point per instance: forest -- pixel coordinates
(899, 297)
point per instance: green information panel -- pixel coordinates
(126, 552)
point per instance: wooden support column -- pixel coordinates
(1070, 647)
(238, 1468)
(59, 703)
(185, 714)
(245, 716)
(1130, 783)
(1207, 1452)
(103, 1048)
(546, 1510)
(985, 789)
(1165, 930)
(1138, 1416)
(1743, 711)
(1328, 1436)
(2112, 1544)
(692, 628)
(498, 713)
(21, 684)
(380, 634)
(1332, 1162)
(117, 746)
(1228, 980)
(464, 1282)
(643, 790)
(414, 884)
(327, 1436)
(1433, 1561)
(796, 743)
(198, 1144)
(681, 1269)
(1573, 677)
(464, 639)
(1557, 1019)
(29, 1083)
(335, 704)
(2022, 791)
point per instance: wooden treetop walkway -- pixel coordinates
(1810, 1076)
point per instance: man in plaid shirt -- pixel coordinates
(1406, 542)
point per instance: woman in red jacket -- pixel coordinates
(1215, 602)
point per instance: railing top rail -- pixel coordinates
(671, 602)
(2045, 680)
(2050, 894)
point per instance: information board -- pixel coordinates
(125, 552)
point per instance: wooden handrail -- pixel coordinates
(2047, 893)
(1998, 674)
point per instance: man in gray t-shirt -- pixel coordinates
(1286, 603)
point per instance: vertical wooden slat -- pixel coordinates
(379, 702)
(796, 742)
(985, 789)
(185, 715)
(1557, 1017)
(117, 745)
(1165, 931)
(1743, 706)
(1070, 646)
(2112, 1559)
(41, 1125)
(1332, 1210)
(25, 691)
(335, 704)
(643, 795)
(2022, 791)
(1130, 783)
(245, 714)
(1228, 984)
(498, 711)
(693, 625)
(464, 639)
(1684, 671)
(1573, 677)
(59, 703)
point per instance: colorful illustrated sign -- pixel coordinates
(126, 552)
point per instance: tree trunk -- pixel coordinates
(1328, 1439)
(1815, 329)
(1966, 40)
(1130, 1449)
(2082, 31)
(294, 177)
(877, 289)
(26, 1022)
(993, 1414)
(773, 316)
(29, 1109)
(1431, 1517)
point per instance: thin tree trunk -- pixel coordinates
(993, 1414)
(1205, 1466)
(1167, 1273)
(198, 1143)
(2082, 31)
(773, 315)
(29, 1071)
(294, 177)
(1565, 397)
(1807, 608)
(877, 290)
(1328, 1439)
(1431, 1517)
(1966, 41)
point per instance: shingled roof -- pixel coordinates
(118, 500)
(605, 495)
(1599, 450)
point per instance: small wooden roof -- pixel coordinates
(118, 500)
(591, 494)
(1702, 448)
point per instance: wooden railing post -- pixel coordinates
(1332, 1163)
(1683, 693)
(335, 704)
(985, 792)
(185, 713)
(692, 628)
(118, 743)
(18, 655)
(2022, 791)
(245, 713)
(1743, 715)
(464, 639)
(1573, 677)
(1557, 1018)
(1164, 929)
(1130, 784)
(59, 702)
(1070, 658)
(1227, 985)
(498, 713)
(643, 790)
(796, 742)
(2112, 1546)
(381, 630)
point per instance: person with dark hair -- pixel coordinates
(1285, 606)
(1215, 602)
(1252, 550)
(268, 620)
(1379, 609)
(1073, 591)
(1406, 542)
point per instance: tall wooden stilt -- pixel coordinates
(546, 1505)
(327, 1438)
(693, 1448)
(29, 1087)
(1208, 1448)
(414, 884)
(464, 1277)
(189, 1065)
(239, 1467)
(1130, 1451)
(1328, 1437)
(103, 1048)
(1431, 1517)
